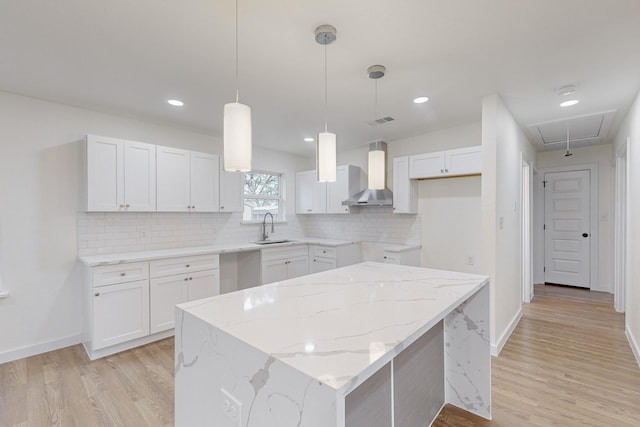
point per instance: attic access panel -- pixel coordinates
(583, 130)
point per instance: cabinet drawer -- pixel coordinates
(119, 273)
(323, 251)
(283, 253)
(169, 266)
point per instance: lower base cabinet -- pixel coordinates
(167, 292)
(131, 304)
(120, 313)
(284, 263)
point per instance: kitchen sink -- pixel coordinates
(271, 242)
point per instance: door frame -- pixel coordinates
(594, 247)
(526, 238)
(621, 204)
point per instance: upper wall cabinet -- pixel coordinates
(231, 190)
(311, 195)
(463, 161)
(405, 190)
(188, 181)
(121, 175)
(314, 197)
(347, 183)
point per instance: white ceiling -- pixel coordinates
(128, 57)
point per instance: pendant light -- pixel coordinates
(377, 149)
(326, 141)
(568, 153)
(237, 128)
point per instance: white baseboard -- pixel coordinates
(32, 350)
(633, 343)
(497, 348)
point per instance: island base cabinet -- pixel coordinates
(120, 313)
(417, 387)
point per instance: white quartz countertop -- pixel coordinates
(340, 326)
(401, 248)
(95, 260)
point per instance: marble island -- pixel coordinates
(365, 345)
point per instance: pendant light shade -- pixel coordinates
(377, 169)
(237, 137)
(237, 128)
(326, 143)
(326, 157)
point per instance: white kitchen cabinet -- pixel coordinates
(284, 263)
(133, 303)
(322, 258)
(120, 313)
(462, 161)
(120, 175)
(402, 255)
(318, 264)
(347, 183)
(187, 181)
(178, 280)
(167, 292)
(116, 304)
(311, 195)
(405, 190)
(231, 190)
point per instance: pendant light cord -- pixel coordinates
(237, 67)
(375, 108)
(326, 109)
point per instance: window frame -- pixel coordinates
(280, 198)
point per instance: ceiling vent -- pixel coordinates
(590, 129)
(381, 121)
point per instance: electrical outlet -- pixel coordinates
(470, 260)
(232, 407)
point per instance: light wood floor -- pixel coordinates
(567, 364)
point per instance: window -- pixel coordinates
(262, 194)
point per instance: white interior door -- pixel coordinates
(567, 228)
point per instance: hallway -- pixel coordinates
(568, 363)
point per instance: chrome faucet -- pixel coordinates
(265, 236)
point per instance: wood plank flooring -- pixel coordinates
(568, 363)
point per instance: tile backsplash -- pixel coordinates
(115, 232)
(371, 224)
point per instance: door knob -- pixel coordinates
(585, 234)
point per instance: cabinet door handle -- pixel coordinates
(221, 207)
(126, 206)
(308, 210)
(314, 260)
(385, 257)
(441, 170)
(188, 265)
(121, 206)
(446, 170)
(97, 294)
(186, 278)
(190, 278)
(123, 274)
(193, 207)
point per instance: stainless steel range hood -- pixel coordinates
(377, 165)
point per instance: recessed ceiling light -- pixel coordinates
(175, 102)
(420, 100)
(569, 103)
(309, 139)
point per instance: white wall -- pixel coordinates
(602, 155)
(631, 129)
(40, 184)
(451, 223)
(504, 145)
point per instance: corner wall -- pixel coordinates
(503, 144)
(630, 128)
